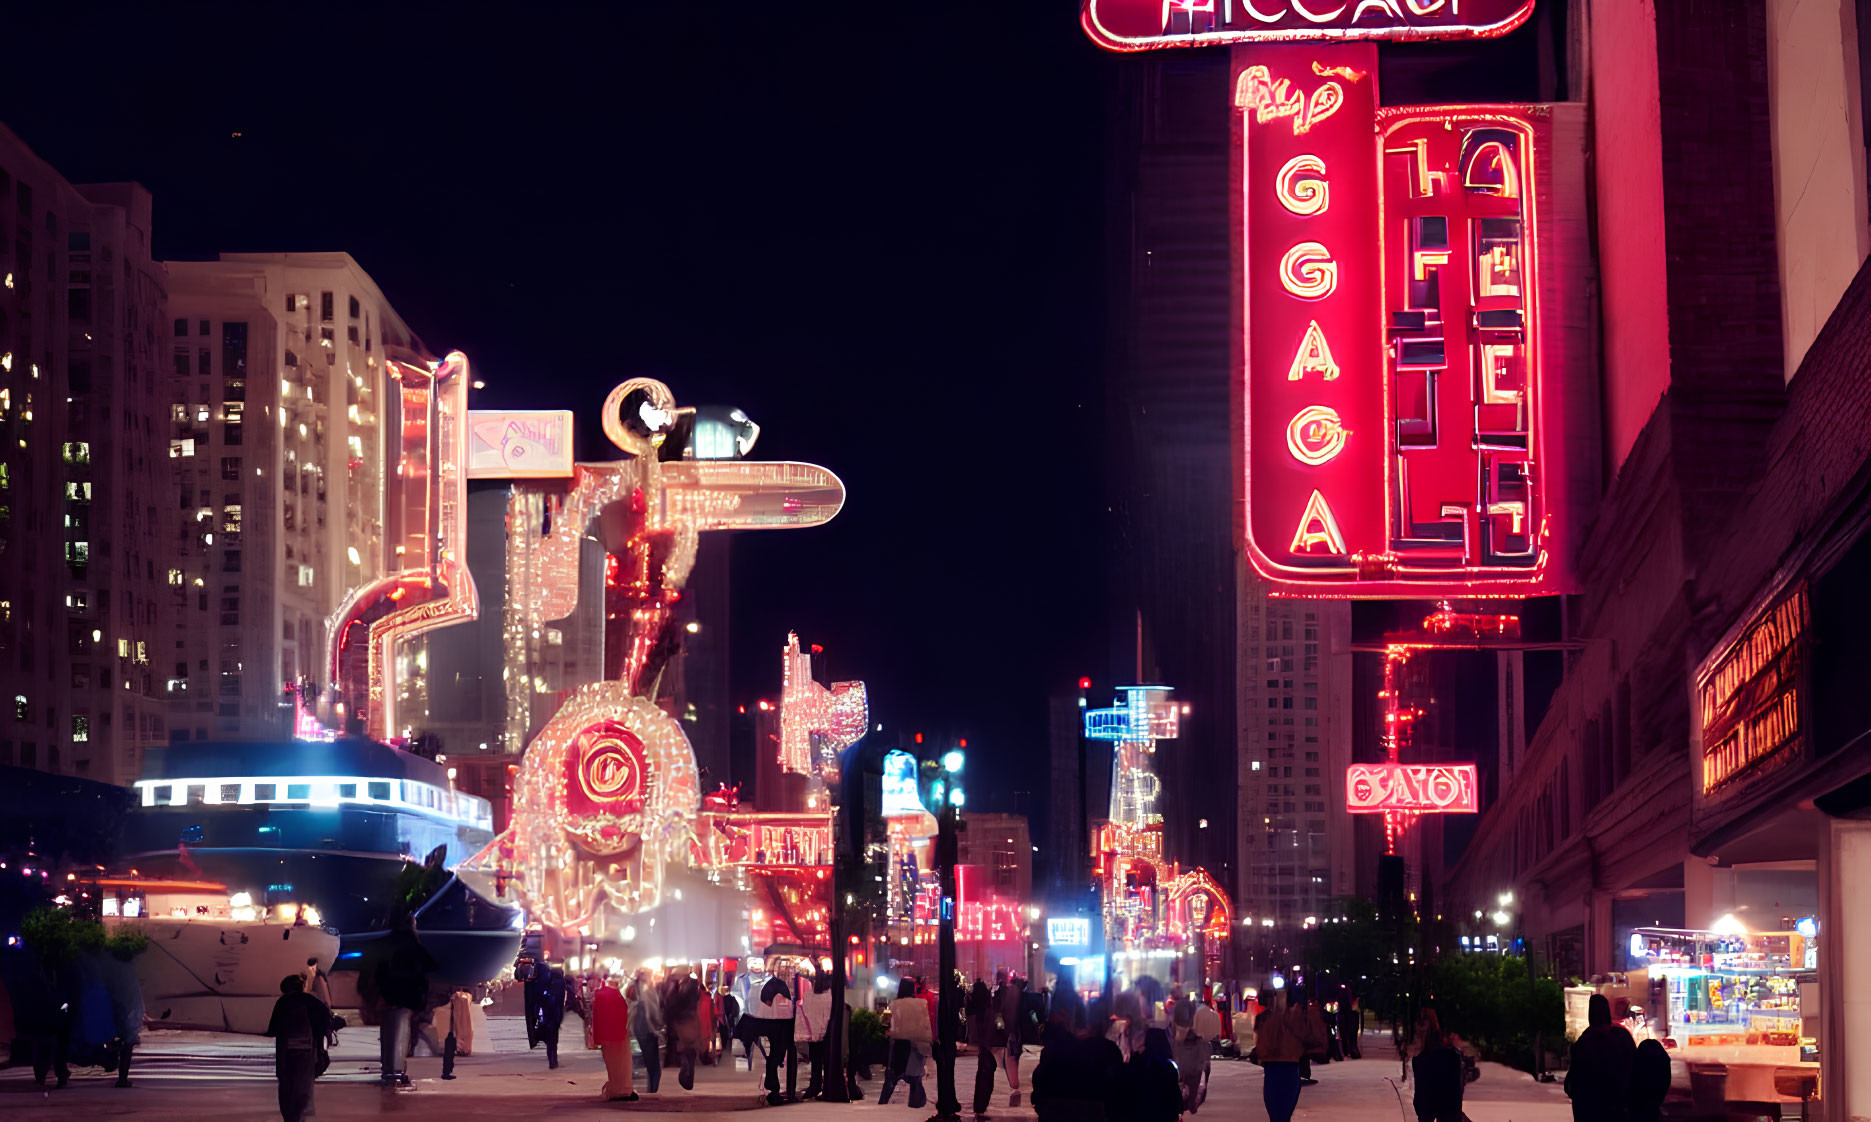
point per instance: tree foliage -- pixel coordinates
(1487, 1000)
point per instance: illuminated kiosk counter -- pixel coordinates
(1744, 1005)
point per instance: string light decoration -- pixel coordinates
(607, 795)
(431, 587)
(816, 723)
(1148, 900)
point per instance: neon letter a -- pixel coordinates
(1318, 514)
(1314, 357)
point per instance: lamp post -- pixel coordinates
(949, 800)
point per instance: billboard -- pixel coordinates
(519, 443)
(1393, 405)
(1142, 25)
(1416, 788)
(1750, 699)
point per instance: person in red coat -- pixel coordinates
(610, 1029)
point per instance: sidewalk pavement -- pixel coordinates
(190, 1077)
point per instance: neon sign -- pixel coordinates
(1416, 788)
(1395, 415)
(1069, 931)
(899, 787)
(1750, 698)
(520, 444)
(1142, 25)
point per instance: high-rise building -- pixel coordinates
(278, 411)
(81, 575)
(1295, 838)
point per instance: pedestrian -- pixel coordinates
(1599, 1079)
(981, 1037)
(1351, 1027)
(402, 978)
(532, 979)
(552, 1000)
(1148, 1087)
(298, 1028)
(646, 1024)
(727, 1020)
(1317, 1034)
(1283, 1035)
(1131, 1023)
(683, 1015)
(911, 1036)
(1650, 1081)
(1437, 1074)
(779, 1006)
(610, 1031)
(125, 996)
(1007, 1008)
(814, 1031)
(1197, 1026)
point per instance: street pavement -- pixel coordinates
(195, 1076)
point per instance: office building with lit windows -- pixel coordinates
(277, 410)
(1295, 711)
(80, 579)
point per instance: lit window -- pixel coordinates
(80, 728)
(175, 578)
(123, 648)
(21, 710)
(77, 452)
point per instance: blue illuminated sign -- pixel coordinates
(1068, 932)
(899, 787)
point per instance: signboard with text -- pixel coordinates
(1416, 788)
(1141, 25)
(1749, 699)
(1394, 407)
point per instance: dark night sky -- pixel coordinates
(875, 227)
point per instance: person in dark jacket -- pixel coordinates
(1436, 1073)
(299, 1026)
(532, 979)
(552, 1014)
(43, 1009)
(981, 1037)
(683, 1016)
(402, 978)
(728, 1021)
(1650, 1081)
(1149, 1089)
(1599, 1080)
(781, 1002)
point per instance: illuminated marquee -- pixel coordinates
(1141, 25)
(1415, 788)
(1394, 430)
(1751, 698)
(520, 444)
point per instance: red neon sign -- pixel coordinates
(1142, 25)
(1395, 429)
(1418, 788)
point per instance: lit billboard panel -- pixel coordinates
(1142, 25)
(1394, 407)
(519, 444)
(1416, 788)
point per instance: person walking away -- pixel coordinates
(402, 977)
(532, 979)
(1149, 1089)
(298, 1028)
(1007, 1009)
(646, 1024)
(1282, 1037)
(1351, 1027)
(1599, 1079)
(911, 1036)
(125, 995)
(1650, 1081)
(981, 1037)
(728, 1021)
(683, 1015)
(552, 1014)
(1437, 1074)
(777, 998)
(1316, 1034)
(1197, 1026)
(610, 1031)
(815, 1019)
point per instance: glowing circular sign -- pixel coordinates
(1316, 435)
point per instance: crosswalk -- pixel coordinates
(233, 1067)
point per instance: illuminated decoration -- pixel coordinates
(1068, 931)
(1141, 25)
(607, 798)
(519, 444)
(1435, 788)
(429, 586)
(1301, 185)
(1316, 435)
(1147, 898)
(1411, 289)
(816, 723)
(1313, 357)
(900, 796)
(1751, 699)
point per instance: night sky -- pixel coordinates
(877, 228)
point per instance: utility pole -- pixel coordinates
(948, 1106)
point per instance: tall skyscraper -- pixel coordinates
(80, 588)
(278, 416)
(1296, 849)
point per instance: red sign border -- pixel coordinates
(1103, 37)
(1474, 788)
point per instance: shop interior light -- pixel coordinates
(1502, 919)
(1729, 925)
